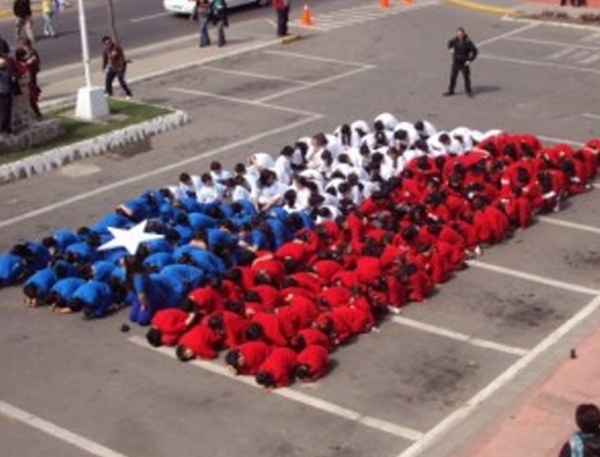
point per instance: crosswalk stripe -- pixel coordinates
(593, 58)
(360, 14)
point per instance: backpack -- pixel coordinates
(585, 445)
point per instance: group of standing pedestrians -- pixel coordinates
(23, 18)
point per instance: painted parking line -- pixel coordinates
(315, 58)
(291, 394)
(568, 224)
(459, 415)
(435, 330)
(534, 278)
(553, 43)
(591, 115)
(553, 139)
(242, 101)
(255, 75)
(503, 36)
(535, 63)
(317, 83)
(42, 425)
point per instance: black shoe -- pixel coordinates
(448, 94)
(470, 93)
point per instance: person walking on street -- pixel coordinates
(115, 65)
(463, 52)
(49, 12)
(7, 82)
(282, 7)
(215, 12)
(22, 12)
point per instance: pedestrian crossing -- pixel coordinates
(363, 14)
(581, 52)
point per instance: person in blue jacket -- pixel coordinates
(38, 286)
(93, 298)
(201, 258)
(152, 291)
(62, 292)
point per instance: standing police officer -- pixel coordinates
(463, 52)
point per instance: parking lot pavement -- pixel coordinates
(461, 356)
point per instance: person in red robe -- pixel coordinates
(278, 369)
(313, 363)
(200, 341)
(168, 325)
(247, 358)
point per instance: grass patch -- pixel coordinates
(123, 114)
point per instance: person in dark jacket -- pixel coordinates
(114, 64)
(7, 81)
(586, 441)
(463, 52)
(22, 12)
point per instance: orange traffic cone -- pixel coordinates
(384, 4)
(407, 2)
(305, 17)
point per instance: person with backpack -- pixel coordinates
(586, 441)
(207, 12)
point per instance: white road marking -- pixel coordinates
(433, 435)
(316, 83)
(434, 329)
(552, 139)
(254, 75)
(536, 63)
(591, 59)
(571, 225)
(559, 54)
(150, 17)
(507, 34)
(553, 43)
(315, 58)
(534, 278)
(172, 166)
(591, 115)
(300, 397)
(242, 101)
(36, 422)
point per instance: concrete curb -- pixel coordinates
(517, 18)
(481, 7)
(59, 157)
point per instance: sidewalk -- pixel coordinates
(542, 419)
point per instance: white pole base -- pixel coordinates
(91, 104)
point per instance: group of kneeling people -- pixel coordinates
(280, 292)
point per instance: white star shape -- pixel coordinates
(130, 238)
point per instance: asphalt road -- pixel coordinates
(422, 384)
(138, 24)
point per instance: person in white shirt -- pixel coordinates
(218, 174)
(389, 121)
(267, 191)
(248, 175)
(188, 185)
(359, 128)
(411, 136)
(235, 189)
(425, 129)
(283, 165)
(210, 191)
(260, 161)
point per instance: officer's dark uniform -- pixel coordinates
(463, 52)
